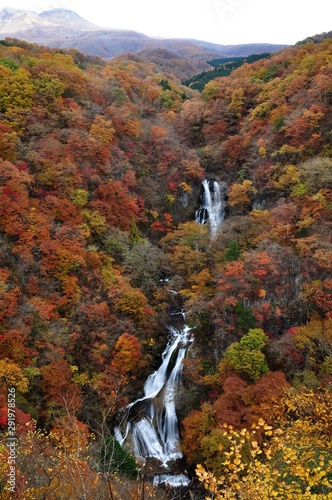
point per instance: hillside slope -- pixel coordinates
(101, 165)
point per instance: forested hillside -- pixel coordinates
(101, 167)
(222, 66)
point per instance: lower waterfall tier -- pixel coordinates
(150, 426)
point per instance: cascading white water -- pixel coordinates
(212, 209)
(154, 432)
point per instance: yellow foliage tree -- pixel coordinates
(12, 375)
(16, 89)
(102, 130)
(237, 101)
(291, 460)
(240, 194)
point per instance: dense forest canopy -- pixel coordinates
(222, 66)
(100, 175)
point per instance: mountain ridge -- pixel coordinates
(63, 28)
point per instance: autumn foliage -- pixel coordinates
(101, 166)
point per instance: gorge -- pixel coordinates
(149, 425)
(102, 167)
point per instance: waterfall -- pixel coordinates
(212, 209)
(152, 426)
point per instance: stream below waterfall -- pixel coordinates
(150, 428)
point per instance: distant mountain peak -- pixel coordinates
(13, 20)
(68, 19)
(60, 10)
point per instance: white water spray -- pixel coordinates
(212, 209)
(153, 431)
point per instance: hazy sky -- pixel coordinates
(218, 21)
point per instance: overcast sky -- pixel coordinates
(218, 21)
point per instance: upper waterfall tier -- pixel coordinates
(212, 209)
